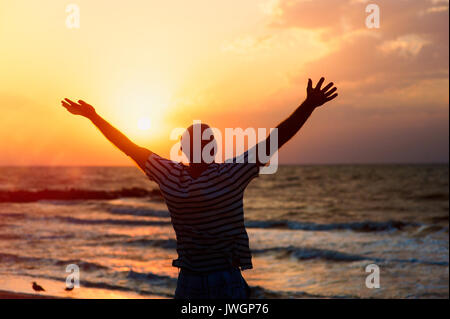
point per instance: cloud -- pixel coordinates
(411, 45)
(393, 81)
(408, 45)
(271, 8)
(247, 43)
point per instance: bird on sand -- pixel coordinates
(36, 287)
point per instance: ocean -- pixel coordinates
(313, 231)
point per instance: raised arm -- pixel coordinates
(315, 97)
(137, 153)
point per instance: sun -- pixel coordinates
(144, 124)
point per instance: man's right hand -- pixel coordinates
(80, 108)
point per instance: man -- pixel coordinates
(205, 199)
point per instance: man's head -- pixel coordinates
(198, 143)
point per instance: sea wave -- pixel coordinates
(152, 278)
(284, 252)
(431, 197)
(258, 292)
(306, 253)
(9, 237)
(109, 221)
(160, 243)
(137, 211)
(24, 196)
(364, 226)
(84, 265)
(144, 242)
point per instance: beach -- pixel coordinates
(14, 295)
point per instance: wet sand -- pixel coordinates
(16, 295)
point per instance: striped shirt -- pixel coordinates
(207, 212)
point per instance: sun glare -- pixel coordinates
(144, 123)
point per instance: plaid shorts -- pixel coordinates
(222, 284)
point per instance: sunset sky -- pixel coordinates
(151, 66)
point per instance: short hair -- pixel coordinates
(187, 141)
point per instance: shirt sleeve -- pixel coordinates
(244, 168)
(159, 169)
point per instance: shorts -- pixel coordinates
(222, 284)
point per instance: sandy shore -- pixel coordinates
(17, 295)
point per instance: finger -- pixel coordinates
(330, 92)
(319, 84)
(65, 104)
(71, 102)
(331, 97)
(329, 85)
(309, 85)
(82, 102)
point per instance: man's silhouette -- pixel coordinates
(205, 199)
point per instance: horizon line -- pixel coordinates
(285, 164)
